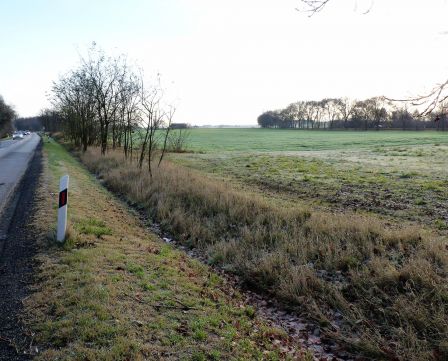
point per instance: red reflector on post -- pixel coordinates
(63, 198)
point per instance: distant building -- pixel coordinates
(180, 126)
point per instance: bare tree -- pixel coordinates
(371, 112)
(289, 116)
(426, 102)
(401, 118)
(346, 107)
(51, 120)
(361, 113)
(332, 110)
(317, 113)
(73, 97)
(129, 113)
(167, 124)
(441, 116)
(300, 113)
(378, 112)
(105, 102)
(149, 100)
(106, 74)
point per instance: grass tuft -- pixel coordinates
(94, 227)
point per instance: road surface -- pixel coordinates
(15, 156)
(20, 170)
(6, 143)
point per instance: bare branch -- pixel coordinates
(429, 101)
(314, 6)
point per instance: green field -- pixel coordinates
(388, 173)
(350, 229)
(267, 140)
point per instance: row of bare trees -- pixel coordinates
(105, 102)
(344, 113)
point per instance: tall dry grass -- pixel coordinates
(382, 291)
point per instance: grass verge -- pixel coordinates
(114, 291)
(367, 284)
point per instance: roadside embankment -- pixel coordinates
(366, 283)
(115, 291)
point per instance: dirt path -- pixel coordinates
(17, 250)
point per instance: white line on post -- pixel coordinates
(62, 209)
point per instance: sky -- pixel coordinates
(226, 62)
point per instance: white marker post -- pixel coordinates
(62, 210)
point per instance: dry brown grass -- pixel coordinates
(115, 291)
(388, 285)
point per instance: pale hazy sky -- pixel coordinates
(225, 62)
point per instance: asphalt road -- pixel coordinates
(5, 143)
(20, 171)
(15, 156)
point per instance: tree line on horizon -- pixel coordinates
(345, 113)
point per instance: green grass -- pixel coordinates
(115, 291)
(390, 173)
(216, 140)
(58, 157)
(378, 275)
(243, 206)
(93, 226)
